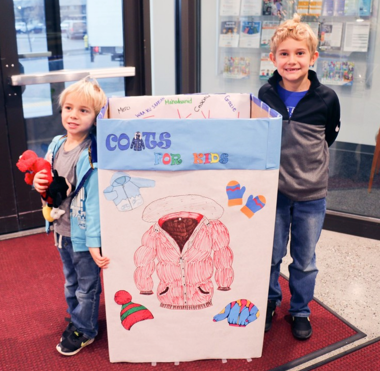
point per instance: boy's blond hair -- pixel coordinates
(90, 90)
(296, 30)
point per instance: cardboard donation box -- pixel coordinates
(187, 219)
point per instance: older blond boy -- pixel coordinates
(311, 121)
(77, 231)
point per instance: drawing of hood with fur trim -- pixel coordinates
(186, 245)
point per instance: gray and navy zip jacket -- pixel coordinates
(84, 206)
(306, 136)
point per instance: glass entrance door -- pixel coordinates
(89, 36)
(44, 46)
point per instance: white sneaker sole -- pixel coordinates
(58, 347)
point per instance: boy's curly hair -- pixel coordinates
(90, 90)
(296, 30)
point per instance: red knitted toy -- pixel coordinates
(58, 187)
(30, 164)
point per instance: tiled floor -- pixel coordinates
(348, 283)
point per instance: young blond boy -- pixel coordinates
(311, 121)
(77, 231)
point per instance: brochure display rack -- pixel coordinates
(343, 28)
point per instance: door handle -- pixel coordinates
(35, 55)
(70, 75)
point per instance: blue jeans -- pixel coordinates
(304, 221)
(82, 287)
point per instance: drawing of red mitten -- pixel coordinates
(253, 205)
(234, 193)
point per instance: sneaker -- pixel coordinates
(69, 329)
(74, 343)
(271, 309)
(301, 328)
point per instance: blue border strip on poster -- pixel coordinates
(178, 145)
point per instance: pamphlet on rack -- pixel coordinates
(328, 8)
(314, 27)
(272, 7)
(347, 8)
(356, 37)
(268, 29)
(365, 8)
(303, 7)
(236, 67)
(266, 67)
(331, 36)
(351, 7)
(250, 34)
(339, 8)
(315, 8)
(250, 7)
(336, 72)
(309, 7)
(229, 34)
(229, 7)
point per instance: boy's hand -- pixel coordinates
(101, 261)
(40, 181)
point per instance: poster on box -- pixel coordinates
(187, 218)
(183, 106)
(250, 7)
(236, 67)
(250, 34)
(229, 34)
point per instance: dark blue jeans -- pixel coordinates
(303, 221)
(82, 287)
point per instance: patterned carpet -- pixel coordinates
(32, 313)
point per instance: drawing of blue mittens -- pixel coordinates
(239, 313)
(234, 193)
(253, 205)
(124, 191)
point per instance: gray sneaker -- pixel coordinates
(301, 328)
(73, 344)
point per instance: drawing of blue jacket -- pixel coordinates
(137, 143)
(124, 191)
(239, 313)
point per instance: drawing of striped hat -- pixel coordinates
(131, 312)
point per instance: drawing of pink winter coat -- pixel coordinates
(190, 244)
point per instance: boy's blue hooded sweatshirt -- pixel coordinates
(84, 206)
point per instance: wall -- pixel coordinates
(359, 103)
